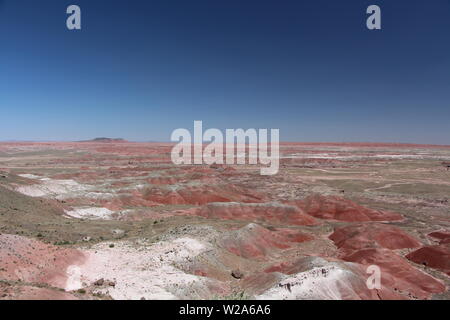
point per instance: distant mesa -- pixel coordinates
(105, 140)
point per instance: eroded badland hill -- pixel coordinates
(115, 220)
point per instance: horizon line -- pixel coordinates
(125, 141)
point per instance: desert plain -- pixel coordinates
(110, 219)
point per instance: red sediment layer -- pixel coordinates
(337, 208)
(199, 195)
(439, 235)
(257, 212)
(371, 244)
(163, 180)
(397, 273)
(436, 257)
(369, 235)
(254, 241)
(444, 237)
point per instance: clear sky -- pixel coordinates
(140, 69)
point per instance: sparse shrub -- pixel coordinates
(61, 243)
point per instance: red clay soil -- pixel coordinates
(439, 235)
(337, 208)
(199, 195)
(134, 199)
(254, 241)
(436, 257)
(443, 236)
(257, 212)
(27, 260)
(397, 273)
(163, 180)
(371, 244)
(371, 235)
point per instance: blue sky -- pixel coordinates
(140, 69)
